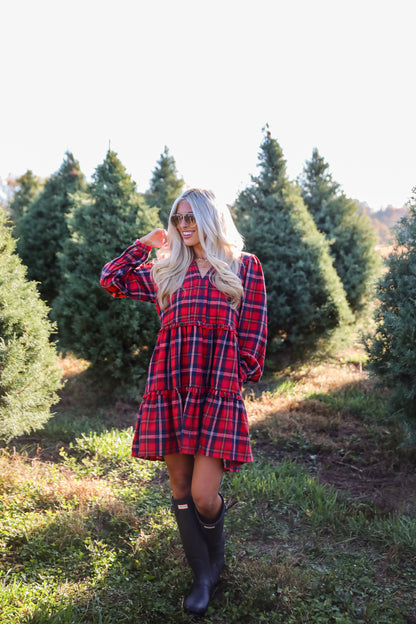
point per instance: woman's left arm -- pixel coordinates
(252, 326)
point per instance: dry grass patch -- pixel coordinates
(294, 415)
(327, 422)
(71, 366)
(47, 502)
(50, 485)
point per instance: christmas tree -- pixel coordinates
(306, 300)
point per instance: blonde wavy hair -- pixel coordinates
(219, 239)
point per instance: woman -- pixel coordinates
(212, 305)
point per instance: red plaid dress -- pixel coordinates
(205, 351)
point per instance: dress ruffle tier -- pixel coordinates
(192, 402)
(191, 421)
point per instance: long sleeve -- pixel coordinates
(252, 327)
(129, 275)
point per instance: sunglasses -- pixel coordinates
(189, 218)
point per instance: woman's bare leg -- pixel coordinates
(206, 481)
(180, 469)
(199, 476)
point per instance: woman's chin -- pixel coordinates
(189, 242)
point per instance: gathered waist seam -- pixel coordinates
(196, 323)
(193, 390)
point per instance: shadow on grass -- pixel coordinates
(88, 403)
(106, 564)
(345, 437)
(285, 582)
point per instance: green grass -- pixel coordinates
(357, 401)
(87, 535)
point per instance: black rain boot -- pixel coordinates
(214, 536)
(196, 551)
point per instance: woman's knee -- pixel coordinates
(208, 503)
(206, 482)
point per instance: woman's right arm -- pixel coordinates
(129, 275)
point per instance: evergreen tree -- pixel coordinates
(392, 349)
(29, 376)
(165, 186)
(43, 229)
(26, 189)
(306, 300)
(350, 234)
(116, 335)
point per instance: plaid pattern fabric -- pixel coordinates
(205, 351)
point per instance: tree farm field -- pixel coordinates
(323, 529)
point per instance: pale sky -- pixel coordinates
(204, 78)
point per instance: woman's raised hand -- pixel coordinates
(156, 238)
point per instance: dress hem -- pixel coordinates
(230, 465)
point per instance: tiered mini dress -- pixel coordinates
(204, 352)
